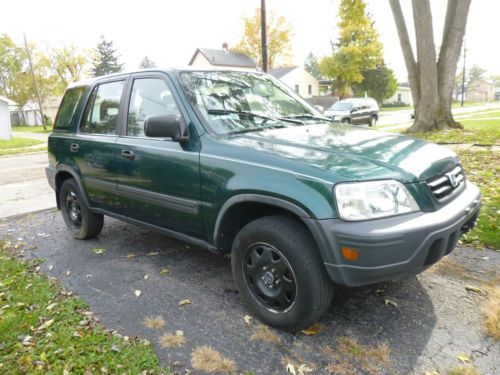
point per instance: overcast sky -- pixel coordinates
(169, 31)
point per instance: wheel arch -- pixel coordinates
(63, 173)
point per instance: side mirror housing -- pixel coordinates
(167, 126)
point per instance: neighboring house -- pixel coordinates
(402, 95)
(480, 90)
(205, 57)
(30, 113)
(497, 93)
(299, 79)
(5, 130)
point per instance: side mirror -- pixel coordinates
(355, 109)
(167, 126)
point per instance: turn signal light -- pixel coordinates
(349, 254)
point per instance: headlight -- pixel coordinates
(373, 199)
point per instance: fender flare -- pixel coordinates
(68, 169)
(255, 198)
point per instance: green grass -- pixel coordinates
(22, 150)
(390, 109)
(31, 129)
(481, 114)
(29, 300)
(466, 104)
(19, 142)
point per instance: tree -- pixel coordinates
(358, 48)
(432, 75)
(496, 79)
(15, 81)
(379, 83)
(311, 64)
(475, 73)
(147, 63)
(105, 60)
(278, 32)
(68, 63)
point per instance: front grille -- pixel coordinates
(443, 185)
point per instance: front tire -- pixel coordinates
(82, 223)
(279, 273)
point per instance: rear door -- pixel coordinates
(93, 147)
(158, 179)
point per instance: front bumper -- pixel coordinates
(396, 247)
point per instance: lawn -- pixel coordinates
(390, 109)
(482, 166)
(17, 151)
(19, 142)
(45, 330)
(31, 129)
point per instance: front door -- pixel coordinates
(93, 147)
(158, 179)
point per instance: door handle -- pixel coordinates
(74, 147)
(127, 154)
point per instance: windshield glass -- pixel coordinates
(242, 101)
(342, 106)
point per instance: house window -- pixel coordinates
(399, 97)
(309, 89)
(297, 89)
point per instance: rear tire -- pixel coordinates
(373, 121)
(346, 121)
(280, 274)
(82, 223)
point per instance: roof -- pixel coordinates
(7, 100)
(221, 57)
(280, 72)
(404, 84)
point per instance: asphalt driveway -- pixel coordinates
(426, 321)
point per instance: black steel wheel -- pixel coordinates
(82, 223)
(279, 272)
(269, 277)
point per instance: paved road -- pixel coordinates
(435, 318)
(23, 185)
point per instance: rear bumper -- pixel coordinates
(396, 247)
(50, 172)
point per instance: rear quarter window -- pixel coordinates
(68, 107)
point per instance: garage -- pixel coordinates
(5, 130)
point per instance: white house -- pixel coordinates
(5, 130)
(205, 57)
(402, 95)
(297, 78)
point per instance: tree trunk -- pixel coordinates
(431, 80)
(428, 77)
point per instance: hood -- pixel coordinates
(353, 153)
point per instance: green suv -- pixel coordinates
(236, 162)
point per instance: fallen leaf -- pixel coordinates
(146, 277)
(164, 271)
(98, 250)
(115, 349)
(464, 358)
(51, 306)
(152, 253)
(471, 288)
(184, 302)
(137, 293)
(304, 369)
(431, 373)
(290, 369)
(77, 334)
(391, 302)
(179, 332)
(248, 319)
(314, 329)
(45, 325)
(130, 256)
(50, 267)
(68, 273)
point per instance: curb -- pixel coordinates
(17, 216)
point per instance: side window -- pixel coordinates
(68, 107)
(150, 97)
(101, 113)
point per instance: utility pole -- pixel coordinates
(263, 34)
(35, 83)
(463, 76)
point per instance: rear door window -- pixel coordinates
(68, 107)
(101, 113)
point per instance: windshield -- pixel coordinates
(342, 106)
(233, 102)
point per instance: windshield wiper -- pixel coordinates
(247, 113)
(308, 116)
